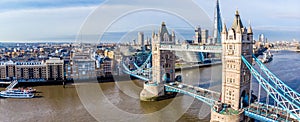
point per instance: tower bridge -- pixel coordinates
(236, 101)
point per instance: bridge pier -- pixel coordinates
(151, 92)
(163, 65)
(217, 117)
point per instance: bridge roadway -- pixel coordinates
(269, 113)
(193, 48)
(205, 95)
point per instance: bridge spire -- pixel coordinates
(250, 29)
(237, 23)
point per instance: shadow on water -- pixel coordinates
(208, 85)
(37, 96)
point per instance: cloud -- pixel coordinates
(277, 28)
(8, 5)
(29, 24)
(42, 19)
(288, 16)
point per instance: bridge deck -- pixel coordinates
(265, 112)
(202, 94)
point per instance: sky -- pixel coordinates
(46, 20)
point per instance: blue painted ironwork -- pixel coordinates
(280, 98)
(140, 72)
(207, 96)
(147, 61)
(286, 90)
(266, 112)
(258, 117)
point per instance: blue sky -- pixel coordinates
(22, 20)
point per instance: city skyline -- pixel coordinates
(61, 20)
(160, 53)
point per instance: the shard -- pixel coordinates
(217, 24)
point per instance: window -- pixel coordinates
(166, 37)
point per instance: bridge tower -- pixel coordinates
(236, 77)
(163, 65)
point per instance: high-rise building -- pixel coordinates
(134, 42)
(217, 24)
(261, 38)
(204, 36)
(141, 41)
(198, 33)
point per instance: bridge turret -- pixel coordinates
(238, 31)
(250, 34)
(236, 77)
(163, 65)
(224, 32)
(173, 36)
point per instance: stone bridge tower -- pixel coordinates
(163, 65)
(236, 77)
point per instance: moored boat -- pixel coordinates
(267, 57)
(10, 93)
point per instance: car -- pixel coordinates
(180, 86)
(178, 78)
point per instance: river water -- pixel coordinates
(119, 101)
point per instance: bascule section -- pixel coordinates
(237, 41)
(163, 65)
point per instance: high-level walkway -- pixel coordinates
(193, 48)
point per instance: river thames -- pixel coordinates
(118, 101)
